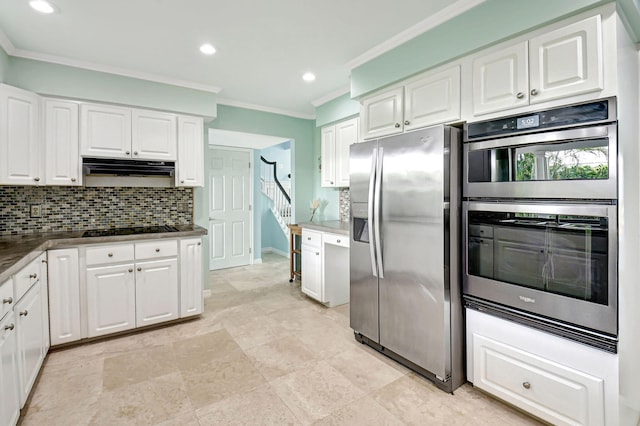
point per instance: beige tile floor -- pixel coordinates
(261, 354)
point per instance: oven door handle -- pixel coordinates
(600, 210)
(545, 137)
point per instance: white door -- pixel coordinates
(229, 208)
(432, 100)
(156, 291)
(111, 298)
(191, 280)
(154, 135)
(62, 161)
(64, 296)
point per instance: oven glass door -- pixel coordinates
(562, 164)
(555, 260)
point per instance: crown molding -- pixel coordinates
(246, 105)
(331, 96)
(113, 70)
(6, 44)
(433, 21)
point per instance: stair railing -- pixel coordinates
(274, 189)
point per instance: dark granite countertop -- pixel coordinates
(332, 226)
(16, 251)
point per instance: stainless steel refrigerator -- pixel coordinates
(405, 249)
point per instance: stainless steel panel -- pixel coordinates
(412, 293)
(363, 284)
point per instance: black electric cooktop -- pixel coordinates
(129, 231)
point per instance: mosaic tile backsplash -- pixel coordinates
(345, 201)
(78, 208)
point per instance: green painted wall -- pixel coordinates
(336, 110)
(4, 65)
(486, 24)
(61, 80)
(631, 13)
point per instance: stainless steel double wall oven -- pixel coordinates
(540, 220)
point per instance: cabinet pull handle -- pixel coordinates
(139, 269)
(44, 261)
(9, 327)
(34, 275)
(73, 179)
(534, 92)
(519, 95)
(37, 179)
(157, 250)
(135, 152)
(309, 238)
(182, 181)
(8, 300)
(24, 313)
(199, 243)
(127, 152)
(526, 385)
(130, 269)
(407, 122)
(110, 254)
(317, 253)
(397, 125)
(337, 241)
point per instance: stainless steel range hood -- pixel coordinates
(116, 167)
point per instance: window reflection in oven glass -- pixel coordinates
(565, 255)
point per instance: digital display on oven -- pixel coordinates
(528, 122)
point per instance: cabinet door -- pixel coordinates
(381, 114)
(10, 395)
(567, 61)
(64, 296)
(500, 80)
(29, 324)
(432, 100)
(20, 148)
(191, 278)
(156, 291)
(44, 285)
(154, 135)
(105, 131)
(111, 299)
(311, 282)
(346, 135)
(190, 165)
(61, 139)
(328, 156)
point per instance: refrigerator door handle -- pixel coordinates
(370, 229)
(376, 211)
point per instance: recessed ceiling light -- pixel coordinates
(207, 49)
(308, 76)
(42, 6)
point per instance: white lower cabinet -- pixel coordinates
(156, 291)
(191, 278)
(555, 379)
(311, 283)
(64, 296)
(111, 299)
(10, 396)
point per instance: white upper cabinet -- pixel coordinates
(381, 114)
(154, 135)
(334, 144)
(119, 132)
(557, 64)
(62, 160)
(190, 166)
(432, 99)
(20, 154)
(501, 80)
(429, 99)
(105, 131)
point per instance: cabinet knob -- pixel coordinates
(8, 300)
(130, 269)
(135, 152)
(157, 250)
(309, 238)
(182, 181)
(139, 269)
(199, 243)
(519, 95)
(24, 313)
(317, 253)
(127, 152)
(9, 327)
(34, 275)
(44, 260)
(397, 125)
(110, 254)
(406, 123)
(37, 179)
(331, 182)
(534, 92)
(526, 385)
(73, 179)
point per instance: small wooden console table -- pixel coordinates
(294, 230)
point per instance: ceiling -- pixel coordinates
(263, 47)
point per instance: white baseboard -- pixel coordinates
(275, 250)
(206, 293)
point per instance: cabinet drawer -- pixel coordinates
(6, 298)
(109, 254)
(311, 238)
(547, 389)
(336, 240)
(156, 249)
(24, 279)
